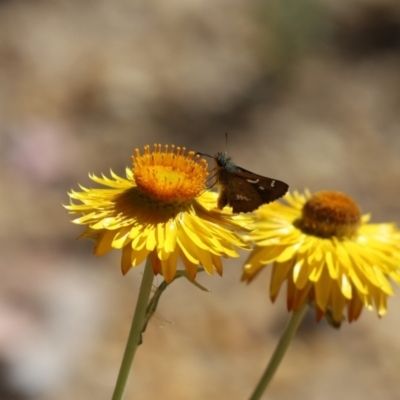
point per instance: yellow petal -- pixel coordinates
(104, 243)
(280, 273)
(206, 261)
(169, 266)
(126, 263)
(323, 290)
(138, 256)
(191, 268)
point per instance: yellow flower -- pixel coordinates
(328, 254)
(161, 210)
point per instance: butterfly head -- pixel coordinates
(223, 161)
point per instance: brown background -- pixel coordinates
(309, 92)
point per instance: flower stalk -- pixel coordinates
(135, 334)
(279, 352)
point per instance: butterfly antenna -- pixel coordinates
(226, 143)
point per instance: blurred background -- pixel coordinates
(309, 93)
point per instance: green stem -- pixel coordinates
(279, 352)
(134, 338)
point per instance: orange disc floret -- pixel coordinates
(170, 175)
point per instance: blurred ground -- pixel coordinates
(309, 92)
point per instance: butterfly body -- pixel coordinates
(243, 190)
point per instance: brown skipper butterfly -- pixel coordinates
(243, 190)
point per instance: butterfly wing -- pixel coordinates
(245, 191)
(261, 189)
(240, 195)
(269, 189)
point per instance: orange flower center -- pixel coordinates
(169, 175)
(328, 214)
